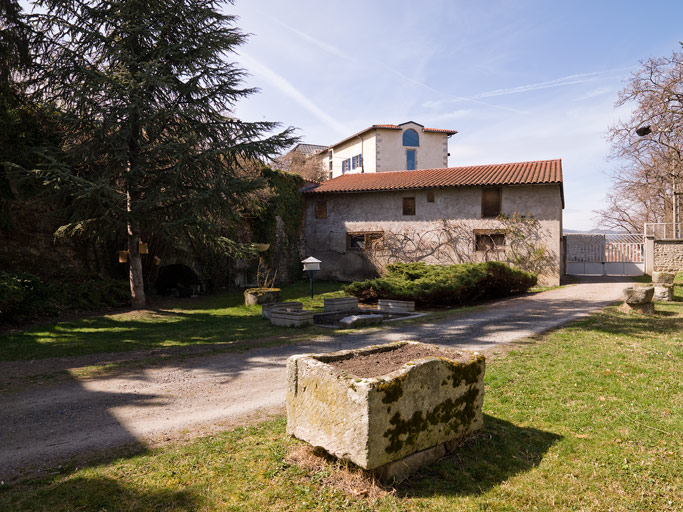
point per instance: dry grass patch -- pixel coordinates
(327, 471)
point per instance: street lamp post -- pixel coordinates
(311, 266)
(647, 130)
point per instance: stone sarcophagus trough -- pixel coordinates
(392, 420)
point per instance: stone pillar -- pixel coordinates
(649, 254)
(638, 299)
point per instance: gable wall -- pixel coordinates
(432, 153)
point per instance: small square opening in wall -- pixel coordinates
(321, 209)
(363, 241)
(488, 241)
(491, 201)
(430, 196)
(408, 206)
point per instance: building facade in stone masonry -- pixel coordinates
(358, 222)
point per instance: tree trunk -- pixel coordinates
(137, 284)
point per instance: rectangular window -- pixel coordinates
(490, 201)
(430, 196)
(330, 165)
(408, 206)
(488, 241)
(411, 160)
(321, 209)
(353, 162)
(363, 241)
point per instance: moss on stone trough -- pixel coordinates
(454, 414)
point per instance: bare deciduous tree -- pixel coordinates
(649, 163)
(451, 241)
(308, 166)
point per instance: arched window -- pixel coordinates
(410, 138)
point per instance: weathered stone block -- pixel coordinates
(644, 309)
(638, 294)
(340, 304)
(397, 306)
(290, 306)
(254, 296)
(360, 321)
(664, 293)
(663, 278)
(287, 318)
(377, 421)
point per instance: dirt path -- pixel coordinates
(42, 427)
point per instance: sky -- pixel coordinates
(520, 80)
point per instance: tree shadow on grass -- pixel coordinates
(97, 493)
(634, 325)
(500, 450)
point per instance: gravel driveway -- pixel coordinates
(42, 427)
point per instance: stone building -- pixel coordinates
(358, 222)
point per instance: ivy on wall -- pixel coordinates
(286, 203)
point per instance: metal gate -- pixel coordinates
(604, 254)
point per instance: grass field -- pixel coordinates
(589, 417)
(211, 319)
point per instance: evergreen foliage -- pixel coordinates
(150, 146)
(24, 296)
(443, 285)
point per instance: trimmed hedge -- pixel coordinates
(443, 285)
(24, 296)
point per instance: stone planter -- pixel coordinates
(254, 296)
(290, 306)
(390, 424)
(289, 318)
(664, 293)
(398, 306)
(341, 304)
(638, 299)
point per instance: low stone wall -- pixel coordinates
(340, 304)
(399, 306)
(267, 309)
(668, 255)
(287, 318)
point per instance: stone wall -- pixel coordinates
(381, 214)
(668, 255)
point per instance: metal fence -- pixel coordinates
(664, 230)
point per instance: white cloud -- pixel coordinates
(317, 42)
(282, 84)
(594, 93)
(581, 78)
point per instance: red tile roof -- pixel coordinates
(440, 130)
(521, 173)
(392, 127)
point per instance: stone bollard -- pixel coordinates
(664, 286)
(638, 299)
(664, 293)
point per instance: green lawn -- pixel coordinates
(590, 417)
(212, 319)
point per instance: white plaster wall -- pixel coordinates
(352, 148)
(383, 211)
(432, 153)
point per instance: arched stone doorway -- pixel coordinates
(178, 280)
